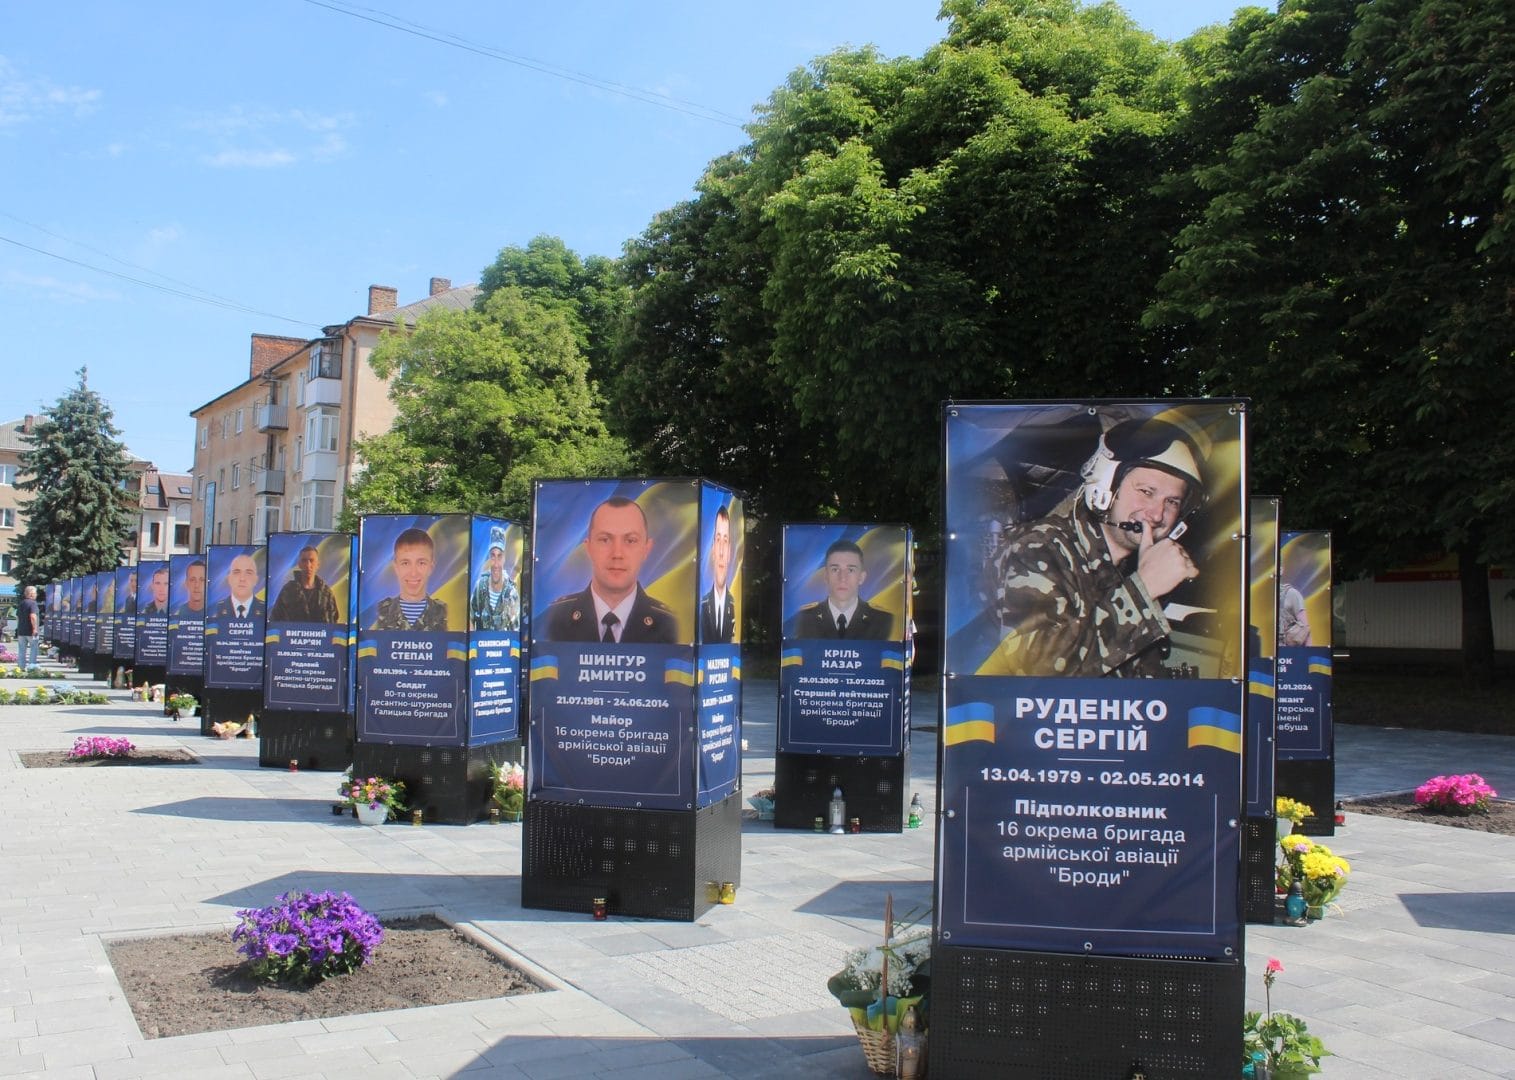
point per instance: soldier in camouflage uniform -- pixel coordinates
(414, 559)
(1080, 593)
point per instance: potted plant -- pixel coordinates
(1291, 814)
(180, 705)
(509, 792)
(1278, 1046)
(1321, 873)
(878, 985)
(374, 799)
(762, 802)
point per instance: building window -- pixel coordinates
(299, 451)
(300, 382)
(239, 421)
(234, 523)
(5, 564)
(154, 534)
(197, 539)
(321, 427)
(320, 498)
(181, 534)
(221, 479)
(204, 436)
(270, 513)
(7, 518)
(217, 540)
(199, 489)
(236, 476)
(297, 516)
(7, 476)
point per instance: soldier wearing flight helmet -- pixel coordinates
(1080, 592)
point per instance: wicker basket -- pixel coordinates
(878, 1047)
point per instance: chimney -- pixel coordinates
(382, 298)
(269, 349)
(440, 285)
(27, 424)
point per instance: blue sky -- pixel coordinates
(283, 156)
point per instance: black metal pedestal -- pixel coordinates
(873, 787)
(654, 864)
(318, 741)
(1259, 869)
(1312, 783)
(1003, 1015)
(450, 785)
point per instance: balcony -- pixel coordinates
(271, 417)
(268, 481)
(320, 465)
(323, 392)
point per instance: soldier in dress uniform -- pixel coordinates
(614, 607)
(844, 614)
(1080, 592)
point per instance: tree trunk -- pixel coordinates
(1477, 619)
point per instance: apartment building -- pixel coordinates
(275, 452)
(165, 506)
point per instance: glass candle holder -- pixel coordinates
(599, 908)
(415, 816)
(728, 892)
(294, 764)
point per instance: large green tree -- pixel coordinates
(82, 500)
(1350, 268)
(978, 222)
(488, 400)
(587, 291)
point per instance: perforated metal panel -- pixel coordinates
(449, 784)
(654, 864)
(1259, 861)
(1312, 783)
(874, 788)
(320, 741)
(1042, 1016)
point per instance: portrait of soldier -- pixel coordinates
(194, 588)
(305, 598)
(157, 590)
(613, 607)
(844, 613)
(717, 607)
(414, 558)
(1293, 624)
(242, 581)
(129, 602)
(1081, 592)
(494, 603)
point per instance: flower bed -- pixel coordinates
(1466, 794)
(100, 746)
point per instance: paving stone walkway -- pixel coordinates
(1414, 977)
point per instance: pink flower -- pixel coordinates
(1274, 966)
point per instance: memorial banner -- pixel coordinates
(71, 610)
(1262, 657)
(494, 631)
(105, 634)
(412, 629)
(53, 595)
(1091, 750)
(842, 673)
(1304, 647)
(152, 614)
(718, 683)
(615, 572)
(308, 635)
(90, 627)
(125, 647)
(237, 607)
(186, 619)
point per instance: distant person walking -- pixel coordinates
(28, 623)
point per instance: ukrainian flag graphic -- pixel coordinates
(969, 722)
(1209, 726)
(1320, 664)
(211, 630)
(679, 672)
(894, 660)
(736, 672)
(1260, 684)
(368, 648)
(456, 650)
(793, 658)
(544, 667)
(271, 638)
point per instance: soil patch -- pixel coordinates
(185, 983)
(1401, 804)
(59, 759)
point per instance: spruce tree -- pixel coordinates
(76, 470)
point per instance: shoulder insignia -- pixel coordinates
(646, 620)
(577, 615)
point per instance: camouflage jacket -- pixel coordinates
(392, 617)
(1066, 607)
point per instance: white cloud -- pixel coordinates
(285, 137)
(56, 289)
(25, 99)
(249, 159)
